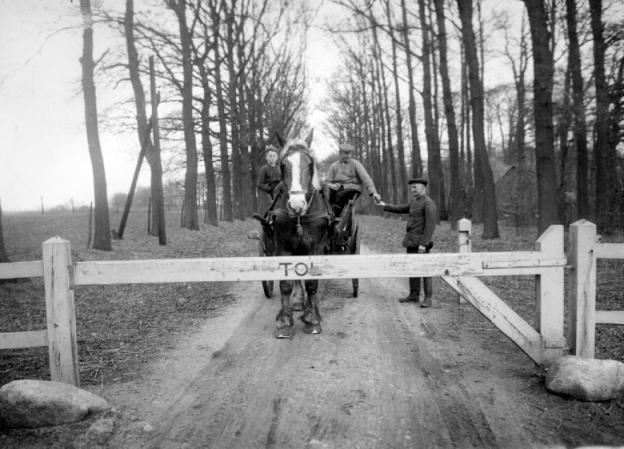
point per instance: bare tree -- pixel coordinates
(102, 236)
(189, 211)
(579, 127)
(455, 198)
(543, 68)
(399, 115)
(490, 224)
(415, 142)
(152, 152)
(433, 143)
(603, 157)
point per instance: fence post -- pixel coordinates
(464, 227)
(60, 316)
(582, 310)
(550, 295)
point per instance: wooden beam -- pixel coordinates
(60, 316)
(609, 316)
(499, 313)
(28, 339)
(609, 250)
(582, 307)
(550, 301)
(464, 243)
(300, 267)
(16, 270)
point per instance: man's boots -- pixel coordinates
(414, 291)
(428, 284)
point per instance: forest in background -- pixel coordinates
(209, 83)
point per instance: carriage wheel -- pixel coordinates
(355, 249)
(267, 286)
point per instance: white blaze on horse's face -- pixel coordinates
(296, 192)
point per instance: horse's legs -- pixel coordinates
(311, 316)
(285, 316)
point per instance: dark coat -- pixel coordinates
(421, 221)
(268, 178)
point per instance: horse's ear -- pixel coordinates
(280, 140)
(308, 140)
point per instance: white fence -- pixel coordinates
(542, 342)
(585, 250)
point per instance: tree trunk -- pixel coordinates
(248, 189)
(151, 152)
(158, 196)
(388, 152)
(237, 163)
(543, 68)
(565, 118)
(399, 116)
(415, 142)
(102, 235)
(455, 212)
(189, 209)
(490, 224)
(579, 126)
(605, 162)
(433, 145)
(226, 185)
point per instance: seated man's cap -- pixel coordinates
(346, 148)
(422, 181)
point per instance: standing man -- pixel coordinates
(345, 178)
(419, 233)
(269, 176)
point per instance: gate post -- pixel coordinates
(550, 295)
(582, 311)
(464, 242)
(60, 316)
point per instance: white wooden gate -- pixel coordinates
(461, 270)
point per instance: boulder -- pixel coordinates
(586, 379)
(37, 403)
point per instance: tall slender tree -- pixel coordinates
(189, 212)
(453, 141)
(102, 235)
(398, 113)
(433, 143)
(579, 127)
(604, 160)
(152, 153)
(543, 70)
(415, 142)
(490, 224)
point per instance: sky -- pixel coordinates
(44, 157)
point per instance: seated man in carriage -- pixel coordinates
(345, 178)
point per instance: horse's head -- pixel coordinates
(299, 174)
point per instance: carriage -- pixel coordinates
(344, 238)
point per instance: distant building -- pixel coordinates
(516, 196)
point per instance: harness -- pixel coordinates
(285, 213)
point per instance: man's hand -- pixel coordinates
(377, 197)
(380, 203)
(333, 185)
(422, 249)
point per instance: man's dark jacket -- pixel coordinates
(421, 221)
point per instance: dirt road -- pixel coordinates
(381, 375)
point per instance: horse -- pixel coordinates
(301, 226)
